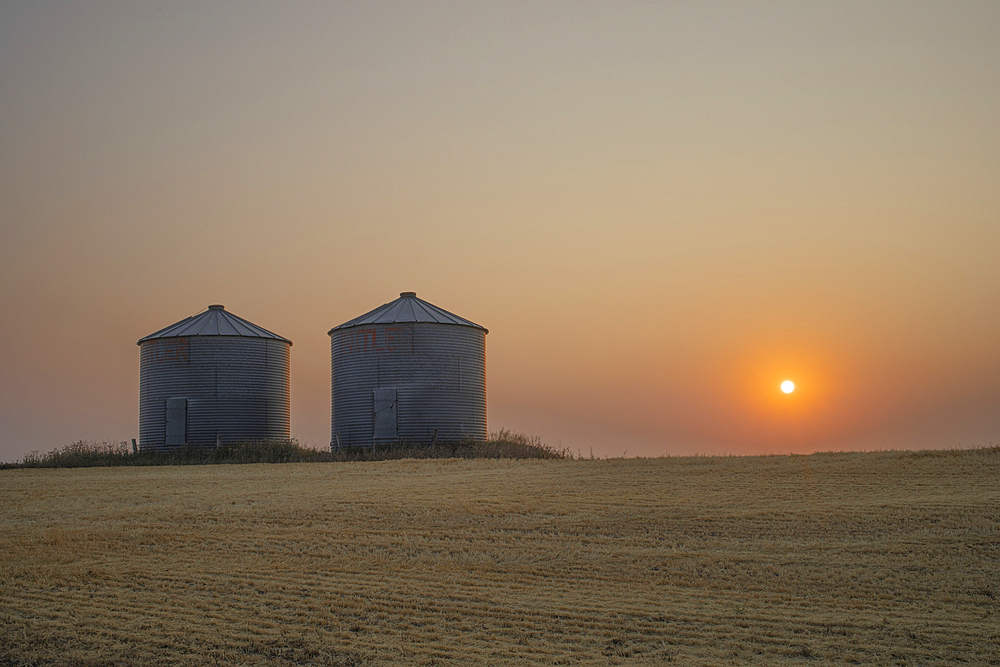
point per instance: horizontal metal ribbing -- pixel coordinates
(236, 388)
(437, 370)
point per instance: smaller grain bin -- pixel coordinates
(212, 379)
(407, 370)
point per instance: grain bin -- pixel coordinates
(211, 379)
(407, 370)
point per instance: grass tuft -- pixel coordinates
(501, 444)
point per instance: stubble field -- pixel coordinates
(880, 558)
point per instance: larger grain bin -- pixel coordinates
(213, 378)
(407, 370)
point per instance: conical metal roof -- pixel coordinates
(408, 308)
(215, 321)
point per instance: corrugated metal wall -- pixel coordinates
(438, 372)
(236, 388)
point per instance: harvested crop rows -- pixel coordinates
(880, 558)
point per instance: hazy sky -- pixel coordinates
(659, 210)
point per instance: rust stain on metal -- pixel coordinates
(378, 340)
(171, 349)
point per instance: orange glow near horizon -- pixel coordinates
(763, 414)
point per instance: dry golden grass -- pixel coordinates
(883, 558)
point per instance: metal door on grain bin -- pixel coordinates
(385, 414)
(176, 417)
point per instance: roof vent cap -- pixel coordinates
(407, 294)
(216, 307)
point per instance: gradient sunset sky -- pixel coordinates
(659, 210)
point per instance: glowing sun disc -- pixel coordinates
(788, 386)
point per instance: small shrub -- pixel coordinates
(80, 454)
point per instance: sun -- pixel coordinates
(788, 386)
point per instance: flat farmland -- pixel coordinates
(857, 558)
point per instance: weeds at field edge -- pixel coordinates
(502, 444)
